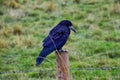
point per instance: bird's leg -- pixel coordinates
(61, 50)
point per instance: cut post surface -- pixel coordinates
(62, 61)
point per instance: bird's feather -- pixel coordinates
(54, 35)
(55, 40)
(43, 54)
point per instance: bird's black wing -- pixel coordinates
(55, 34)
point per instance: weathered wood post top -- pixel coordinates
(62, 61)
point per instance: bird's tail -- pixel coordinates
(42, 56)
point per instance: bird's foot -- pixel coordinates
(62, 51)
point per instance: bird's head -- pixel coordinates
(68, 24)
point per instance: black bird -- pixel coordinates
(55, 40)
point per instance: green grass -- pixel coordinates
(96, 44)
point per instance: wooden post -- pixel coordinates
(62, 61)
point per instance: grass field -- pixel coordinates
(94, 48)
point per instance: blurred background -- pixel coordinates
(94, 51)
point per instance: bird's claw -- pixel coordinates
(61, 51)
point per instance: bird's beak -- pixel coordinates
(72, 28)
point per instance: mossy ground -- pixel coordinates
(25, 23)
